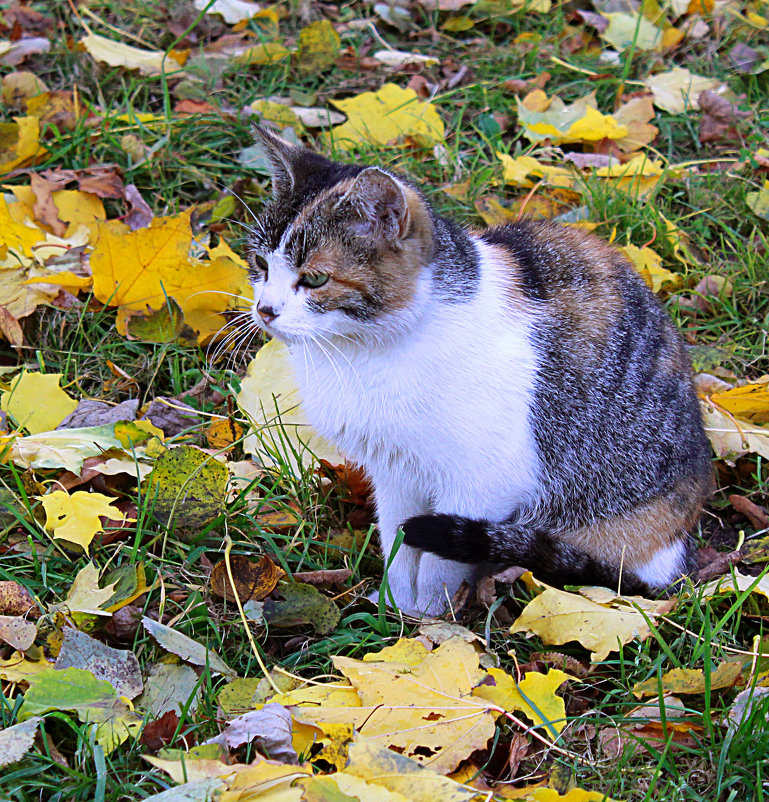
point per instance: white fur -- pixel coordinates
(664, 567)
(433, 402)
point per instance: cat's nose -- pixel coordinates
(266, 313)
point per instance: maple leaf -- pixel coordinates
(85, 595)
(388, 115)
(426, 711)
(36, 402)
(140, 269)
(76, 518)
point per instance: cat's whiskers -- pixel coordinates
(344, 356)
(331, 362)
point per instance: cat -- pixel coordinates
(517, 396)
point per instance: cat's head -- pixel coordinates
(339, 249)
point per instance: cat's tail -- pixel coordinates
(534, 547)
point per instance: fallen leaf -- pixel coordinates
(231, 11)
(758, 201)
(426, 712)
(301, 604)
(749, 402)
(737, 582)
(18, 668)
(187, 487)
(85, 595)
(20, 144)
(93, 700)
(15, 599)
(534, 696)
(270, 398)
(17, 740)
(36, 402)
(558, 617)
(397, 59)
(678, 90)
(269, 726)
(731, 438)
(18, 87)
(649, 264)
(390, 114)
(17, 632)
(119, 54)
(64, 448)
(76, 517)
(160, 732)
(118, 666)
(409, 779)
(253, 580)
(170, 687)
(141, 269)
(690, 680)
(631, 30)
(317, 47)
(188, 649)
(550, 118)
(745, 705)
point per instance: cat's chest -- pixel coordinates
(456, 390)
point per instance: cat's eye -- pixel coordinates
(260, 262)
(313, 280)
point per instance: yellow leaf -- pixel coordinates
(17, 297)
(580, 121)
(18, 237)
(262, 53)
(85, 595)
(649, 265)
(516, 171)
(690, 680)
(730, 437)
(558, 617)
(409, 651)
(19, 144)
(426, 712)
(143, 268)
(36, 402)
(758, 201)
(387, 115)
(575, 795)
(18, 668)
(76, 518)
(270, 398)
(402, 777)
(534, 696)
(750, 402)
(118, 54)
(677, 90)
(67, 280)
(317, 47)
(326, 695)
(738, 582)
(239, 777)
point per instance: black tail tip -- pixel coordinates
(449, 536)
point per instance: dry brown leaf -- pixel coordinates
(253, 580)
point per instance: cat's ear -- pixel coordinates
(289, 164)
(381, 207)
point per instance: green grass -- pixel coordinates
(194, 161)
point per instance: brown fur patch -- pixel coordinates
(389, 275)
(634, 538)
(592, 304)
